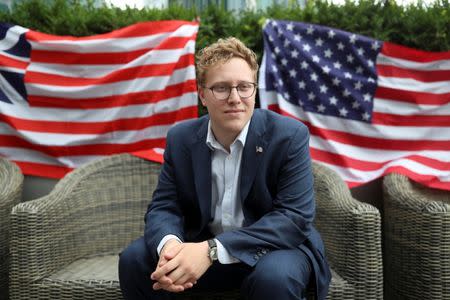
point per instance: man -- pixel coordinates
(234, 204)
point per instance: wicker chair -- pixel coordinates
(65, 245)
(11, 183)
(416, 240)
(351, 231)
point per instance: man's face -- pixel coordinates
(229, 116)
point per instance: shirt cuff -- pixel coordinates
(165, 240)
(223, 255)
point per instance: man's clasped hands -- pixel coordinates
(180, 265)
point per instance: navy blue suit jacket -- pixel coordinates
(276, 192)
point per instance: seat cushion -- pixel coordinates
(97, 278)
(99, 268)
(88, 279)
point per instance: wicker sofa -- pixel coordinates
(11, 183)
(416, 240)
(65, 245)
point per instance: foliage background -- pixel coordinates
(425, 27)
(418, 26)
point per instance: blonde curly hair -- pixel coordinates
(220, 52)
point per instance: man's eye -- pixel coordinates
(244, 86)
(220, 88)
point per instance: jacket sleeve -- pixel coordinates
(289, 222)
(164, 215)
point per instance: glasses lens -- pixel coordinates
(246, 90)
(221, 92)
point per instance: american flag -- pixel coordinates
(65, 101)
(372, 107)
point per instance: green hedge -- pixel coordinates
(418, 26)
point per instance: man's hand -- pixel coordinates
(164, 280)
(180, 266)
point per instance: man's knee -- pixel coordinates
(282, 272)
(135, 267)
(135, 259)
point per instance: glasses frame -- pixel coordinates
(211, 88)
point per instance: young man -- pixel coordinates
(234, 205)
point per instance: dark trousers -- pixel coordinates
(281, 274)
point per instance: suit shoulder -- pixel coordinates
(279, 124)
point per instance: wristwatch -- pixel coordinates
(212, 250)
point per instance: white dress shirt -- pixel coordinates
(226, 207)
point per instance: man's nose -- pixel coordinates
(234, 96)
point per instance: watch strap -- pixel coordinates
(212, 249)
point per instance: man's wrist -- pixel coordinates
(164, 241)
(170, 242)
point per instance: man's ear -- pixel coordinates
(201, 95)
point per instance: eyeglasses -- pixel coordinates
(223, 91)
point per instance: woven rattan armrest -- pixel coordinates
(351, 231)
(11, 183)
(416, 240)
(91, 211)
(415, 197)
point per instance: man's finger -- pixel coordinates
(165, 280)
(172, 251)
(175, 288)
(188, 285)
(182, 279)
(162, 261)
(157, 286)
(170, 288)
(164, 270)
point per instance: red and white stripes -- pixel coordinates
(100, 95)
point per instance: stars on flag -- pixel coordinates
(322, 70)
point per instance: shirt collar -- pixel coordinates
(213, 144)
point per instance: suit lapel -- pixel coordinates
(253, 153)
(252, 156)
(201, 164)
